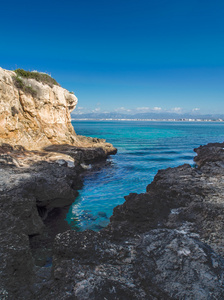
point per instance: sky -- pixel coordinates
(124, 56)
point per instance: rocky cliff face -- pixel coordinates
(41, 159)
(35, 121)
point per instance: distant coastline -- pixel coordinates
(151, 120)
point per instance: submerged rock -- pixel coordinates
(102, 214)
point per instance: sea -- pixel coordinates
(144, 147)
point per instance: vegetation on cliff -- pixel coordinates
(22, 86)
(38, 76)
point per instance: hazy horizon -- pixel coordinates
(145, 115)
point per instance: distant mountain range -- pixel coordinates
(150, 115)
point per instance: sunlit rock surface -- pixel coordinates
(35, 121)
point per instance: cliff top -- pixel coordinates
(38, 76)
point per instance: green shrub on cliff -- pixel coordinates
(41, 77)
(30, 90)
(18, 82)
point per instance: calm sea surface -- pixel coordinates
(143, 149)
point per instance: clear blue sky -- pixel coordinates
(126, 54)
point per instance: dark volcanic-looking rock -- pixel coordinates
(211, 152)
(158, 264)
(164, 244)
(32, 184)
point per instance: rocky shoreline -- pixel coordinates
(166, 243)
(34, 184)
(41, 159)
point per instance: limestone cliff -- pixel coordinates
(36, 120)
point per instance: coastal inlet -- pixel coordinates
(143, 149)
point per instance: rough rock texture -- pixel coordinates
(41, 158)
(35, 121)
(166, 243)
(32, 184)
(212, 152)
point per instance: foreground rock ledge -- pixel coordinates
(166, 243)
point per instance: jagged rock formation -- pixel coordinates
(166, 243)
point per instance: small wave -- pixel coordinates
(170, 152)
(187, 157)
(161, 159)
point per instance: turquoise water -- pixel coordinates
(143, 149)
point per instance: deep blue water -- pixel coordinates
(143, 149)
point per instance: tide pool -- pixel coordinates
(143, 148)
